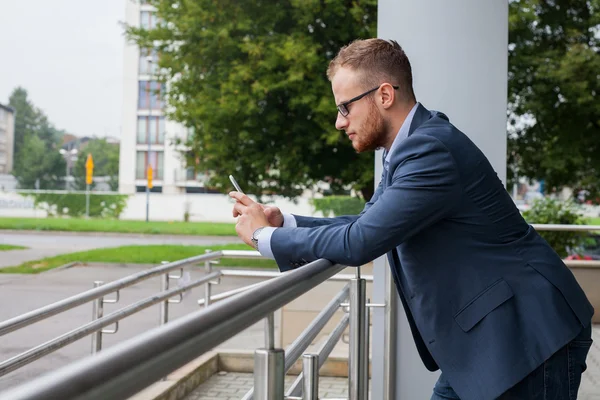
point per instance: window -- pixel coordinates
(151, 127)
(148, 20)
(141, 164)
(149, 95)
(145, 67)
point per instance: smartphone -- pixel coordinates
(235, 184)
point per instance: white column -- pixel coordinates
(458, 53)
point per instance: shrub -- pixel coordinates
(552, 211)
(338, 205)
(74, 204)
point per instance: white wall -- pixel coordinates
(458, 52)
(202, 207)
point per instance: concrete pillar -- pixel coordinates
(458, 53)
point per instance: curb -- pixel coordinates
(60, 268)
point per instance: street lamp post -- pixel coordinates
(148, 130)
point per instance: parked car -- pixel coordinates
(589, 249)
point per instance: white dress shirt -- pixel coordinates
(264, 238)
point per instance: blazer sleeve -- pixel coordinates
(425, 187)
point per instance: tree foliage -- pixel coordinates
(554, 82)
(38, 168)
(106, 163)
(36, 156)
(249, 78)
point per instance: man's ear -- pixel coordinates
(388, 94)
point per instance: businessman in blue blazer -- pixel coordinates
(488, 301)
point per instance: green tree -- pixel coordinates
(26, 119)
(36, 145)
(554, 59)
(249, 79)
(37, 164)
(106, 163)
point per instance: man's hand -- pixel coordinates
(273, 214)
(251, 216)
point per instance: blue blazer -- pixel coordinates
(487, 299)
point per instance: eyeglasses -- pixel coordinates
(343, 107)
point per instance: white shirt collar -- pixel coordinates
(402, 134)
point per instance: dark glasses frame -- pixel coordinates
(343, 107)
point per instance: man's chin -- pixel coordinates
(362, 148)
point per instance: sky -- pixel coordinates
(68, 55)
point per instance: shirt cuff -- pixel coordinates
(289, 221)
(264, 241)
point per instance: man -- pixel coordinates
(488, 301)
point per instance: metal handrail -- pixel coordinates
(50, 310)
(55, 344)
(128, 367)
(264, 274)
(565, 228)
(322, 352)
(298, 346)
(273, 274)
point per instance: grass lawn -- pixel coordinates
(594, 221)
(137, 255)
(106, 225)
(4, 247)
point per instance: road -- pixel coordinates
(47, 244)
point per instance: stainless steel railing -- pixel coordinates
(98, 292)
(270, 362)
(99, 321)
(126, 368)
(165, 297)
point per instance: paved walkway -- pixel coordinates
(234, 385)
(48, 244)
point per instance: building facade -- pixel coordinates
(7, 139)
(146, 135)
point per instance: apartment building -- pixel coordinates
(146, 135)
(7, 137)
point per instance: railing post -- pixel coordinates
(97, 313)
(366, 348)
(358, 334)
(269, 366)
(207, 285)
(310, 370)
(164, 306)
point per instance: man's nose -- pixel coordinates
(341, 122)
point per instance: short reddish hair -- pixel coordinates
(379, 61)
